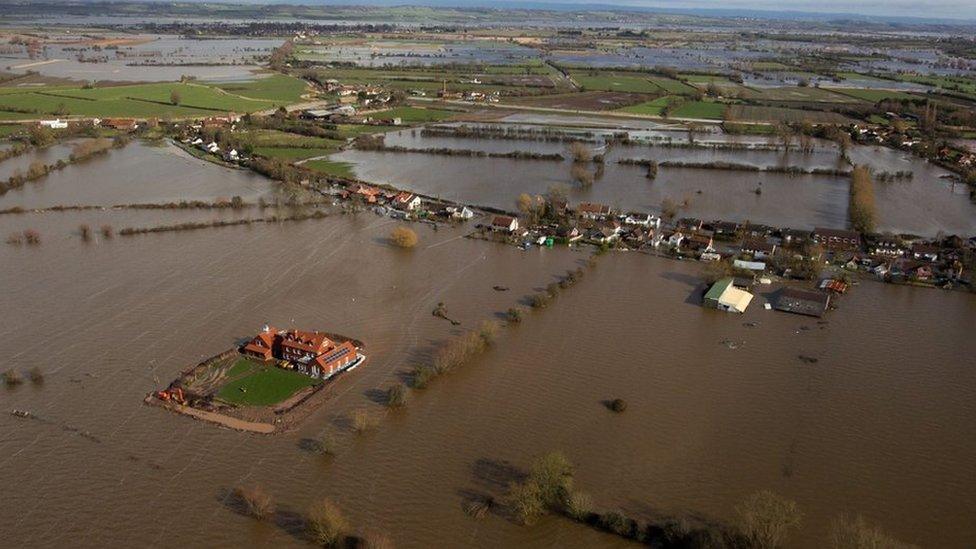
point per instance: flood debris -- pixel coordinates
(808, 359)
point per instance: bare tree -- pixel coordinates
(765, 519)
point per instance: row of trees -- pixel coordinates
(862, 210)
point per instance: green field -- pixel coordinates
(268, 385)
(276, 138)
(799, 94)
(651, 108)
(700, 109)
(413, 115)
(873, 95)
(672, 86)
(753, 113)
(149, 100)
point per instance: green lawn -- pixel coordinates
(269, 385)
(276, 138)
(279, 88)
(331, 167)
(413, 115)
(700, 109)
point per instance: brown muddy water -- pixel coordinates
(139, 172)
(925, 205)
(881, 425)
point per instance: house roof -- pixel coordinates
(315, 342)
(593, 207)
(716, 290)
(502, 221)
(836, 233)
(804, 302)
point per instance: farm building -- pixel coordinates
(724, 296)
(802, 302)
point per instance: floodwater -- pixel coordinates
(138, 173)
(924, 205)
(881, 425)
(152, 58)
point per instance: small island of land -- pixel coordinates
(265, 386)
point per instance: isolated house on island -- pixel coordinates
(311, 353)
(504, 223)
(724, 296)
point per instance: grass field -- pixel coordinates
(651, 108)
(268, 385)
(672, 86)
(608, 81)
(413, 115)
(150, 100)
(801, 94)
(700, 109)
(276, 138)
(873, 95)
(752, 113)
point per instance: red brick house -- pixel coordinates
(311, 353)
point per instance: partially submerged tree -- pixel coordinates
(765, 519)
(325, 524)
(404, 237)
(255, 501)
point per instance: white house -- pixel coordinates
(460, 212)
(406, 201)
(642, 219)
(675, 239)
(504, 223)
(56, 124)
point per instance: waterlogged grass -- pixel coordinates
(291, 154)
(413, 115)
(330, 167)
(352, 130)
(269, 385)
(276, 138)
(150, 100)
(873, 95)
(614, 82)
(672, 86)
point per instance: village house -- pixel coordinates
(56, 124)
(725, 229)
(794, 237)
(758, 248)
(121, 124)
(406, 201)
(699, 242)
(504, 223)
(802, 302)
(925, 252)
(887, 246)
(642, 219)
(592, 210)
(836, 240)
(675, 239)
(459, 212)
(689, 224)
(367, 192)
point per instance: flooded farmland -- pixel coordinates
(138, 173)
(881, 425)
(926, 204)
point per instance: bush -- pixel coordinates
(578, 506)
(857, 533)
(765, 519)
(32, 237)
(12, 377)
(15, 239)
(256, 502)
(540, 300)
(617, 405)
(36, 376)
(326, 526)
(614, 522)
(362, 421)
(404, 237)
(396, 396)
(514, 315)
(422, 375)
(525, 501)
(85, 231)
(107, 231)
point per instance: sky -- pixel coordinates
(948, 9)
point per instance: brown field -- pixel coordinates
(586, 101)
